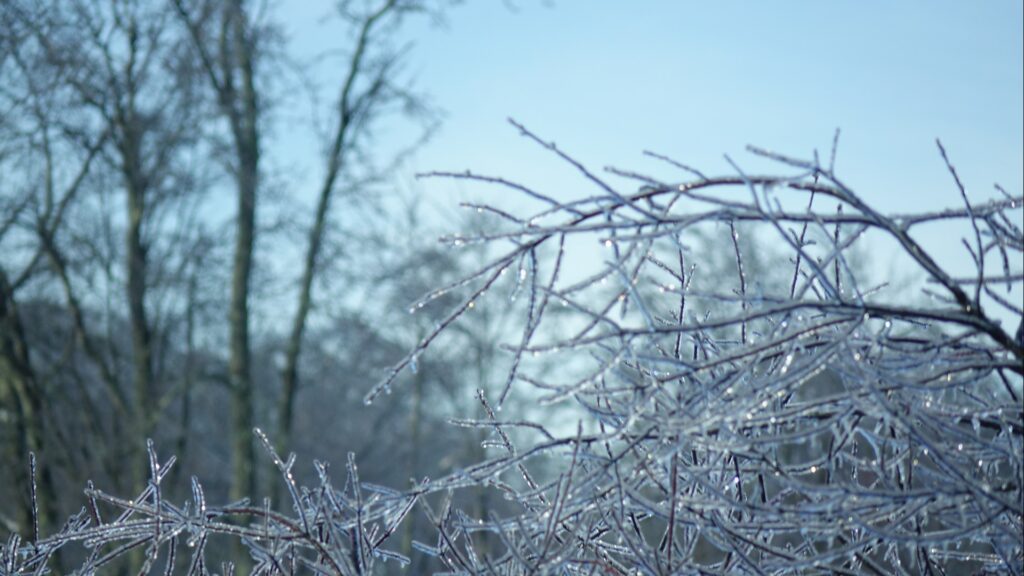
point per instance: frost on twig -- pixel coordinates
(782, 416)
(814, 423)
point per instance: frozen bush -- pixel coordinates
(737, 424)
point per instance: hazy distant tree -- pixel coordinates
(369, 91)
(227, 39)
(233, 43)
(102, 117)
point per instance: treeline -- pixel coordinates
(161, 277)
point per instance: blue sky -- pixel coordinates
(607, 79)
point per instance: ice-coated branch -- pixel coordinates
(728, 392)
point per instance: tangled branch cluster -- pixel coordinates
(730, 427)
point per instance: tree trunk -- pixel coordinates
(290, 373)
(349, 100)
(19, 385)
(243, 479)
(229, 65)
(246, 136)
(143, 401)
(190, 377)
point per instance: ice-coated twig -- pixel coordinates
(740, 409)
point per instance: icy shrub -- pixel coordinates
(788, 419)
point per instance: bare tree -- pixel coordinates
(120, 64)
(231, 54)
(99, 106)
(368, 91)
(226, 38)
(22, 394)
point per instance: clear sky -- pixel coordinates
(607, 79)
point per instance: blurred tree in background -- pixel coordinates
(124, 126)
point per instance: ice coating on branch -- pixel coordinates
(768, 415)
